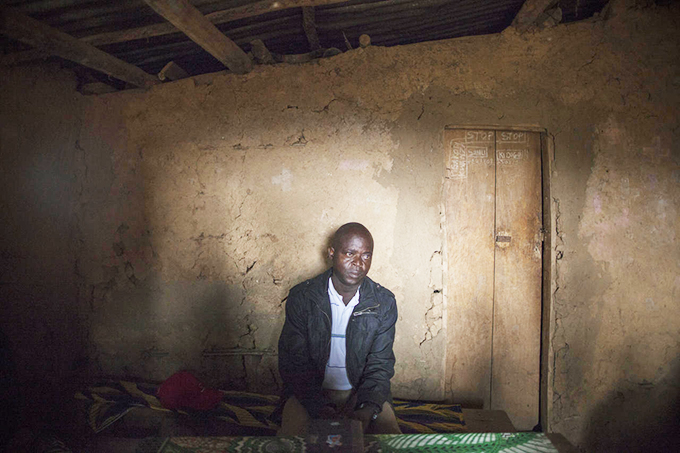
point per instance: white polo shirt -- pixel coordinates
(336, 370)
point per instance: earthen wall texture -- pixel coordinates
(162, 230)
(41, 319)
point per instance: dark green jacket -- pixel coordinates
(304, 345)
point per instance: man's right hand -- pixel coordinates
(329, 412)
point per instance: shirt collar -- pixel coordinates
(336, 298)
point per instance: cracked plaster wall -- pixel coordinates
(198, 204)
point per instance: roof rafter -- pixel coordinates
(309, 25)
(52, 41)
(529, 12)
(166, 28)
(187, 18)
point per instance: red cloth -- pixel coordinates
(183, 390)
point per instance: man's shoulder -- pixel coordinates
(314, 284)
(380, 291)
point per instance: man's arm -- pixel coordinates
(299, 374)
(374, 387)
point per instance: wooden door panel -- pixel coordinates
(493, 220)
(470, 189)
(517, 288)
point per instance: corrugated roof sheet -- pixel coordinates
(387, 22)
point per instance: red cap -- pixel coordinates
(183, 390)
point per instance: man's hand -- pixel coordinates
(364, 415)
(329, 412)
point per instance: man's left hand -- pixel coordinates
(365, 416)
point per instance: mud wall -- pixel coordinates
(223, 195)
(195, 206)
(44, 327)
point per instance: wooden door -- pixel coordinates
(494, 244)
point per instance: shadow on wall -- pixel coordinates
(231, 359)
(243, 366)
(638, 416)
(197, 326)
(9, 397)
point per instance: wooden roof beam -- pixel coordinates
(309, 25)
(172, 71)
(216, 17)
(165, 28)
(187, 18)
(45, 38)
(529, 12)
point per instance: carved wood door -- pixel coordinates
(494, 247)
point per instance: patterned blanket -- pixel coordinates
(109, 402)
(413, 443)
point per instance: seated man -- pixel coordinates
(335, 349)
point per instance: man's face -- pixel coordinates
(351, 258)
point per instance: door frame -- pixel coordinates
(548, 271)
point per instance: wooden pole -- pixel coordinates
(191, 22)
(30, 31)
(364, 40)
(260, 52)
(528, 14)
(217, 17)
(165, 28)
(172, 71)
(309, 25)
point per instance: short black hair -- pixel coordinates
(350, 228)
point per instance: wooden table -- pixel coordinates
(482, 421)
(476, 420)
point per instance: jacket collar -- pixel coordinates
(367, 297)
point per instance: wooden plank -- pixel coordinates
(165, 28)
(517, 127)
(172, 71)
(561, 443)
(469, 189)
(261, 53)
(216, 17)
(30, 31)
(549, 288)
(364, 41)
(200, 30)
(258, 8)
(517, 289)
(486, 421)
(309, 25)
(529, 12)
(96, 88)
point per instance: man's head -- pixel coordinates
(351, 252)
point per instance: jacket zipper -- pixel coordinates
(351, 326)
(328, 346)
(365, 311)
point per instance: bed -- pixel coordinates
(109, 402)
(247, 423)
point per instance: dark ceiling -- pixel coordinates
(387, 22)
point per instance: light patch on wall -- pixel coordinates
(650, 304)
(597, 204)
(351, 164)
(656, 151)
(284, 180)
(662, 206)
(628, 225)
